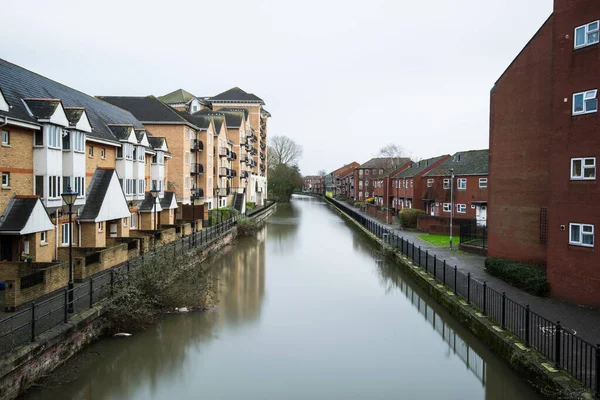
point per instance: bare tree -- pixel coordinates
(283, 150)
(392, 151)
(322, 173)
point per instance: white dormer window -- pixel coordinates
(586, 35)
(585, 102)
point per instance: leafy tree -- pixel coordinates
(283, 180)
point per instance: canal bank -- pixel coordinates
(48, 350)
(307, 309)
(541, 373)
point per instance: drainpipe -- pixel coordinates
(78, 233)
(56, 235)
(451, 203)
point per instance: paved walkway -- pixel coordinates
(585, 321)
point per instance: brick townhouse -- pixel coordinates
(347, 184)
(543, 153)
(55, 137)
(333, 179)
(309, 182)
(407, 185)
(383, 184)
(470, 187)
(365, 175)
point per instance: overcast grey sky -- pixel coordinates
(342, 78)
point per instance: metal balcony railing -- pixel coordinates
(224, 152)
(196, 145)
(196, 169)
(197, 193)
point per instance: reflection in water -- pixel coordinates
(307, 310)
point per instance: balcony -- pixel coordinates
(262, 134)
(224, 152)
(254, 151)
(263, 146)
(262, 167)
(244, 174)
(262, 156)
(232, 173)
(245, 160)
(232, 156)
(226, 172)
(197, 193)
(196, 145)
(196, 169)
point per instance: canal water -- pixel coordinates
(307, 310)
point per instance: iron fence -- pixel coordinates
(27, 324)
(473, 235)
(559, 344)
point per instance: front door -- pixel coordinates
(481, 214)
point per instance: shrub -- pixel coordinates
(409, 216)
(247, 226)
(250, 205)
(359, 204)
(370, 200)
(221, 214)
(528, 277)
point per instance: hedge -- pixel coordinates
(408, 217)
(528, 277)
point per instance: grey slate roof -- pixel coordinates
(472, 162)
(96, 193)
(121, 132)
(17, 213)
(148, 203)
(166, 201)
(18, 83)
(418, 167)
(236, 95)
(146, 109)
(182, 96)
(42, 108)
(384, 162)
(74, 114)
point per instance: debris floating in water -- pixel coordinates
(122, 334)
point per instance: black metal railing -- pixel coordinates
(473, 235)
(40, 316)
(559, 344)
(196, 169)
(197, 145)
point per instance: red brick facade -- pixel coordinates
(534, 135)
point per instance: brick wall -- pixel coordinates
(96, 160)
(17, 159)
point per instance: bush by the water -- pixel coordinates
(246, 226)
(409, 217)
(163, 282)
(250, 205)
(528, 277)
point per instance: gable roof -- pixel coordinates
(42, 108)
(147, 109)
(74, 114)
(169, 201)
(105, 199)
(19, 83)
(384, 162)
(472, 162)
(236, 95)
(418, 167)
(24, 215)
(148, 204)
(180, 96)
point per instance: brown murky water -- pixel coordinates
(307, 310)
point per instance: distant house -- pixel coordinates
(366, 174)
(470, 169)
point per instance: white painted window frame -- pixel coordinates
(579, 242)
(430, 182)
(587, 96)
(446, 184)
(447, 207)
(583, 168)
(65, 239)
(462, 207)
(5, 134)
(5, 179)
(461, 184)
(586, 32)
(483, 181)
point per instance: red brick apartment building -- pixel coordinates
(470, 185)
(407, 185)
(383, 185)
(366, 174)
(544, 144)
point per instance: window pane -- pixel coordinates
(580, 36)
(576, 169)
(578, 103)
(593, 26)
(587, 239)
(591, 105)
(590, 161)
(593, 37)
(588, 228)
(589, 172)
(575, 233)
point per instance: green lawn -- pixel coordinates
(440, 240)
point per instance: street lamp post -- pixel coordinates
(154, 193)
(69, 197)
(451, 203)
